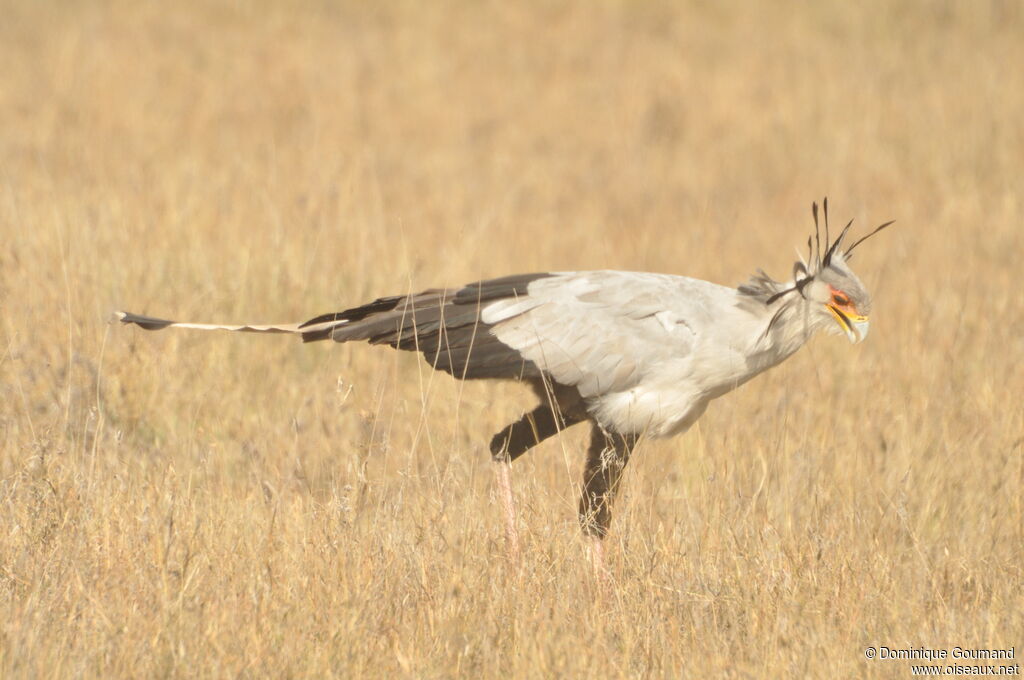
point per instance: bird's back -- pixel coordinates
(642, 349)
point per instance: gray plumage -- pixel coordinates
(634, 353)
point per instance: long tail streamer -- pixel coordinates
(151, 323)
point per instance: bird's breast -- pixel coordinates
(655, 411)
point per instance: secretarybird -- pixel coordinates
(632, 353)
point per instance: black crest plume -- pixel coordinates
(802, 275)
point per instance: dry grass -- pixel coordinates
(204, 505)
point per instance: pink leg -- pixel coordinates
(503, 473)
(597, 557)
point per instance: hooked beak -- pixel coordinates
(855, 326)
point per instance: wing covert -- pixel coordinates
(598, 331)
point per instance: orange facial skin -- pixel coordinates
(842, 301)
(843, 309)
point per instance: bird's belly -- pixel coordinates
(655, 412)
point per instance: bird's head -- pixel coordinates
(836, 294)
(832, 295)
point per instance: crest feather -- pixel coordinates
(804, 273)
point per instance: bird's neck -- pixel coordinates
(788, 325)
(785, 323)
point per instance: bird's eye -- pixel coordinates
(840, 299)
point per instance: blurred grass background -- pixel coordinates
(204, 505)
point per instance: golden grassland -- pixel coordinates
(205, 505)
